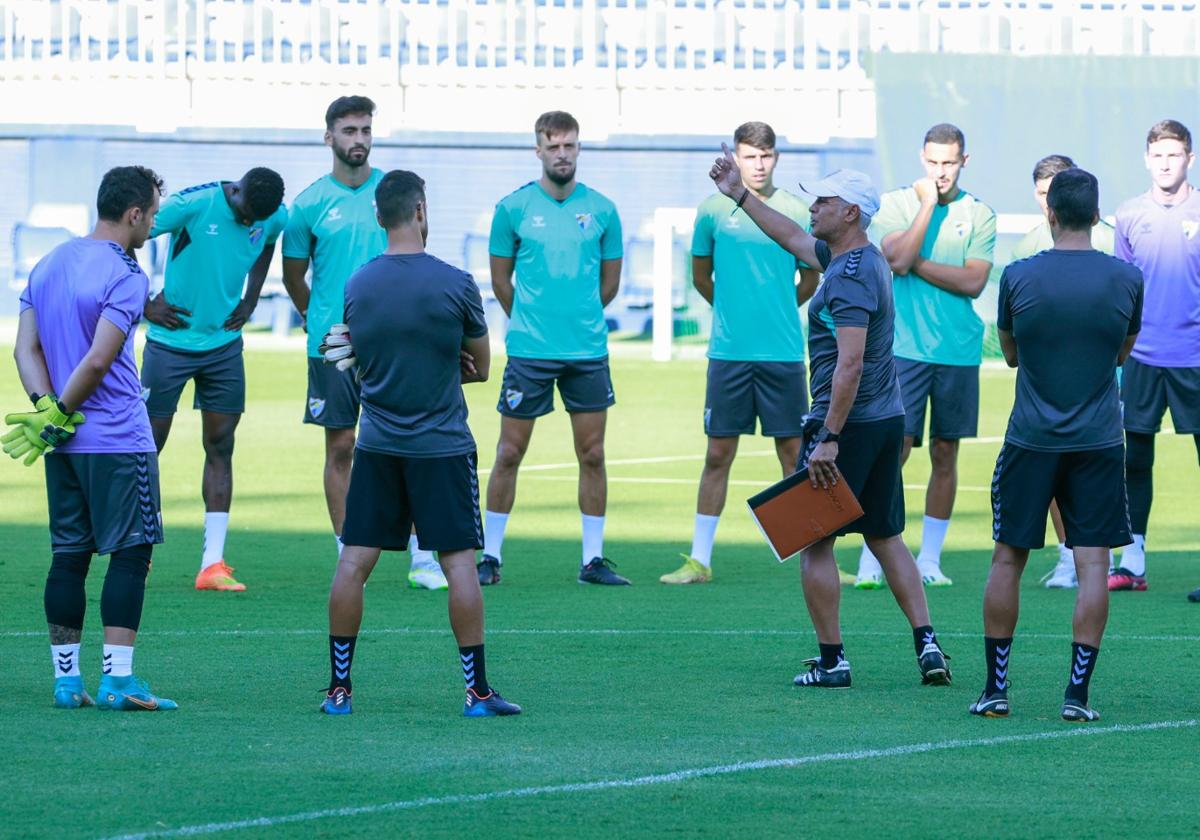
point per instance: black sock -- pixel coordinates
(997, 652)
(341, 655)
(474, 669)
(831, 655)
(923, 636)
(1083, 662)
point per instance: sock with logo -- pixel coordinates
(493, 533)
(923, 636)
(1083, 663)
(341, 655)
(474, 671)
(65, 659)
(997, 653)
(593, 538)
(831, 655)
(703, 537)
(118, 660)
(215, 527)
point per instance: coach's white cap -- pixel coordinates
(851, 186)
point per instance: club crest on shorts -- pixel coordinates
(512, 397)
(584, 220)
(962, 229)
(1190, 227)
(256, 235)
(315, 407)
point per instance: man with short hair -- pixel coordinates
(1159, 232)
(222, 239)
(333, 227)
(563, 241)
(74, 354)
(938, 240)
(756, 350)
(410, 318)
(1067, 317)
(855, 430)
(1039, 239)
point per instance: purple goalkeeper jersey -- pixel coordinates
(70, 290)
(1164, 242)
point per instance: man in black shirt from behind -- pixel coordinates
(1067, 317)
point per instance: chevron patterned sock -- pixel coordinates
(118, 660)
(831, 655)
(1083, 662)
(341, 655)
(474, 670)
(923, 636)
(66, 660)
(997, 652)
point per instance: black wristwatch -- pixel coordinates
(825, 435)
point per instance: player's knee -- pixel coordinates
(132, 562)
(943, 455)
(339, 449)
(591, 456)
(1139, 454)
(219, 447)
(509, 454)
(721, 458)
(69, 566)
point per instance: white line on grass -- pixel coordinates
(686, 774)
(692, 482)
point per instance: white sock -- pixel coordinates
(493, 533)
(1064, 552)
(118, 660)
(421, 559)
(65, 659)
(868, 565)
(1133, 559)
(933, 535)
(702, 538)
(340, 545)
(593, 537)
(215, 527)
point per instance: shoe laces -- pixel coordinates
(597, 562)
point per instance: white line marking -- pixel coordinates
(605, 631)
(692, 482)
(657, 778)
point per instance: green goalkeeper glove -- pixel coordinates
(336, 347)
(47, 427)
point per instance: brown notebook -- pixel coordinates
(792, 514)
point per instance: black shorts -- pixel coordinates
(1147, 391)
(952, 391)
(101, 503)
(527, 390)
(869, 461)
(333, 396)
(1089, 486)
(774, 393)
(390, 493)
(220, 376)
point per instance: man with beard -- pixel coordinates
(333, 227)
(563, 240)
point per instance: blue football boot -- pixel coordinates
(336, 702)
(490, 705)
(69, 693)
(130, 694)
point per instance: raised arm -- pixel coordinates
(903, 247)
(787, 234)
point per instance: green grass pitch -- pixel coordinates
(630, 688)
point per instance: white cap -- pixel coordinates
(851, 186)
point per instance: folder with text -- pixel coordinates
(792, 514)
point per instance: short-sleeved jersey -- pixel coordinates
(1070, 312)
(558, 247)
(755, 317)
(932, 324)
(334, 226)
(208, 257)
(408, 315)
(1040, 239)
(69, 291)
(1164, 242)
(856, 292)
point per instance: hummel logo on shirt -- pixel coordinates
(333, 215)
(539, 221)
(212, 230)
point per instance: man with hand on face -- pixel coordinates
(756, 351)
(855, 430)
(938, 240)
(222, 238)
(563, 241)
(333, 227)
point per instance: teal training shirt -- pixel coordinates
(558, 248)
(755, 316)
(335, 227)
(208, 257)
(932, 324)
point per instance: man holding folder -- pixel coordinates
(855, 430)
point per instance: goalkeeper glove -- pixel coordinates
(336, 347)
(47, 427)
